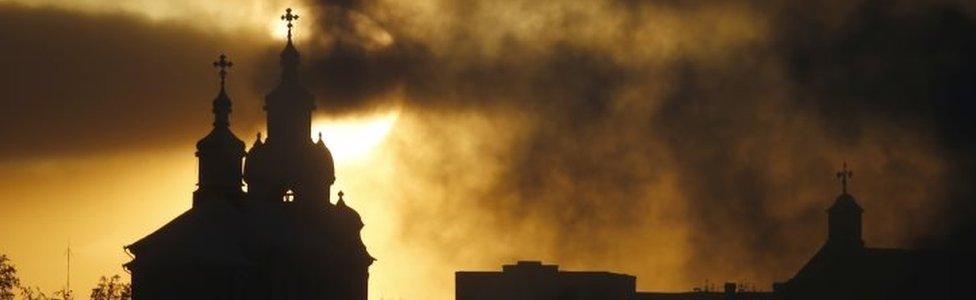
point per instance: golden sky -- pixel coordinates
(676, 141)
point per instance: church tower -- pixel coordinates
(844, 217)
(282, 238)
(315, 250)
(197, 253)
(220, 152)
(288, 167)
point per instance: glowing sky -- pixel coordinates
(676, 141)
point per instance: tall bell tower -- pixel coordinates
(289, 167)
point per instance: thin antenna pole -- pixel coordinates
(68, 272)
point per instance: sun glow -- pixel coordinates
(354, 137)
(302, 26)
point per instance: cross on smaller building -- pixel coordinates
(844, 175)
(341, 194)
(288, 17)
(223, 64)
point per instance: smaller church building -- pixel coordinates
(844, 269)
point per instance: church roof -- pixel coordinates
(220, 139)
(875, 273)
(205, 233)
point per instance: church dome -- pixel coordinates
(220, 139)
(845, 203)
(255, 160)
(322, 158)
(347, 217)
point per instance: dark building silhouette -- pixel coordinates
(531, 280)
(730, 291)
(283, 238)
(844, 268)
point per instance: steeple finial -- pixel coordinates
(221, 104)
(288, 17)
(223, 64)
(320, 137)
(289, 55)
(844, 175)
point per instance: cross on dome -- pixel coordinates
(223, 64)
(844, 175)
(289, 17)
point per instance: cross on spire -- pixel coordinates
(223, 64)
(288, 17)
(844, 175)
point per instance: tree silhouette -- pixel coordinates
(8, 278)
(65, 294)
(112, 289)
(9, 282)
(35, 293)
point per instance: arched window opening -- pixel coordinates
(288, 197)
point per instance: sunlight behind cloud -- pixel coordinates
(222, 15)
(352, 138)
(302, 27)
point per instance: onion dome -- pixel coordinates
(257, 148)
(220, 139)
(346, 217)
(349, 223)
(256, 160)
(323, 160)
(220, 152)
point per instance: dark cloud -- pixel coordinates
(74, 83)
(907, 67)
(753, 130)
(603, 143)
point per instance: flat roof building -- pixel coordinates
(534, 280)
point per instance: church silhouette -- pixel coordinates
(282, 238)
(845, 269)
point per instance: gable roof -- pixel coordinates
(878, 273)
(205, 233)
